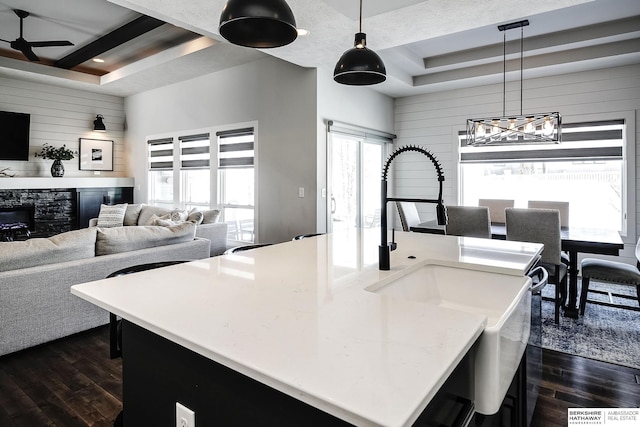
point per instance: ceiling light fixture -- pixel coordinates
(360, 66)
(98, 60)
(259, 24)
(98, 124)
(539, 128)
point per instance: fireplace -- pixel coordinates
(16, 221)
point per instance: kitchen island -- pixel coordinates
(300, 319)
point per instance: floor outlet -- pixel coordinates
(185, 417)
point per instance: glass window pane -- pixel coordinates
(161, 187)
(371, 171)
(592, 188)
(237, 186)
(240, 222)
(195, 188)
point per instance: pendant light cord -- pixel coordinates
(360, 15)
(504, 74)
(521, 63)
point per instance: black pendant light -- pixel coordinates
(360, 66)
(258, 23)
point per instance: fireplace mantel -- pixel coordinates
(19, 183)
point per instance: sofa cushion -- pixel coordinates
(112, 215)
(69, 246)
(147, 211)
(132, 213)
(124, 239)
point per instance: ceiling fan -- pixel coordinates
(25, 47)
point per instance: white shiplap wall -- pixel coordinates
(433, 120)
(62, 116)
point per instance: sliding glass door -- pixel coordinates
(354, 177)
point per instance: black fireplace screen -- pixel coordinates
(17, 218)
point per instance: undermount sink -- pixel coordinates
(504, 300)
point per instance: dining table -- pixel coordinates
(575, 240)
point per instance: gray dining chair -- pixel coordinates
(472, 221)
(542, 226)
(563, 207)
(408, 215)
(496, 209)
(610, 272)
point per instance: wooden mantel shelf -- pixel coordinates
(19, 183)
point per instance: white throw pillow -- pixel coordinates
(112, 215)
(178, 215)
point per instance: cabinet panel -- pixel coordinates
(90, 199)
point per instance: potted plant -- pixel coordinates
(57, 154)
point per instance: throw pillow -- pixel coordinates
(178, 215)
(148, 211)
(125, 239)
(153, 220)
(112, 215)
(210, 216)
(163, 221)
(132, 214)
(195, 216)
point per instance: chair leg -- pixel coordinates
(583, 294)
(559, 295)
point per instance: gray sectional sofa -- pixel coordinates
(36, 305)
(207, 228)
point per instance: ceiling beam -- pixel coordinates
(121, 35)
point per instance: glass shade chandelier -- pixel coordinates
(360, 66)
(538, 128)
(258, 23)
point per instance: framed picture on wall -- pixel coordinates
(96, 155)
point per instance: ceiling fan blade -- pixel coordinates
(51, 43)
(29, 54)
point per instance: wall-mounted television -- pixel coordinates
(14, 135)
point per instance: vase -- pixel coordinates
(57, 169)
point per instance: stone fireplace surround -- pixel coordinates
(54, 200)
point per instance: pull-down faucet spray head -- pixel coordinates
(385, 248)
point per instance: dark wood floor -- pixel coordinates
(72, 382)
(576, 382)
(66, 383)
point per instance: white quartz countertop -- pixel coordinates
(296, 317)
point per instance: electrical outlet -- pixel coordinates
(185, 417)
(301, 192)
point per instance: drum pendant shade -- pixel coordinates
(259, 24)
(360, 66)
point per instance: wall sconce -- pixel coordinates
(98, 124)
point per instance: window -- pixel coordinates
(587, 169)
(356, 156)
(195, 176)
(236, 182)
(179, 173)
(161, 172)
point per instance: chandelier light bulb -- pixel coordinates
(547, 127)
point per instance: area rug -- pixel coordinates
(603, 333)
